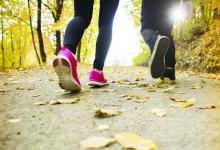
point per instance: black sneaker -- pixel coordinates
(157, 61)
(169, 73)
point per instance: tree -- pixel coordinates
(32, 32)
(2, 37)
(39, 32)
(55, 7)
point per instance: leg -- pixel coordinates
(106, 16)
(76, 27)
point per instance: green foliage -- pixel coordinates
(142, 58)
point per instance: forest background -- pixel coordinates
(32, 33)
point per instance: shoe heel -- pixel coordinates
(63, 70)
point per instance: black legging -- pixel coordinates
(83, 15)
(156, 15)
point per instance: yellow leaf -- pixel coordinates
(105, 113)
(40, 103)
(139, 79)
(96, 142)
(135, 97)
(159, 112)
(150, 89)
(184, 104)
(64, 101)
(176, 99)
(208, 106)
(103, 127)
(197, 86)
(14, 120)
(131, 140)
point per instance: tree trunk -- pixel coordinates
(58, 41)
(32, 32)
(39, 33)
(2, 41)
(12, 47)
(79, 51)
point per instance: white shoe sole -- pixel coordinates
(64, 73)
(157, 61)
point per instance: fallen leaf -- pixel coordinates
(143, 84)
(123, 81)
(150, 89)
(2, 90)
(64, 101)
(105, 113)
(135, 97)
(181, 92)
(176, 99)
(134, 141)
(40, 103)
(103, 127)
(108, 90)
(96, 142)
(168, 90)
(197, 86)
(14, 120)
(20, 88)
(159, 112)
(208, 106)
(36, 95)
(184, 104)
(139, 79)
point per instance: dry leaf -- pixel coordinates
(135, 98)
(64, 101)
(184, 104)
(103, 127)
(36, 95)
(14, 120)
(159, 112)
(2, 90)
(167, 90)
(96, 142)
(143, 84)
(208, 106)
(131, 140)
(181, 92)
(150, 89)
(40, 103)
(123, 81)
(20, 88)
(176, 99)
(105, 113)
(108, 90)
(139, 79)
(197, 86)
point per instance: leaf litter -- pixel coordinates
(134, 141)
(96, 142)
(135, 97)
(208, 106)
(103, 127)
(59, 101)
(106, 113)
(184, 104)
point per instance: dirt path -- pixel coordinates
(24, 126)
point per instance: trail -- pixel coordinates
(64, 126)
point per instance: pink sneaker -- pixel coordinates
(65, 66)
(97, 79)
